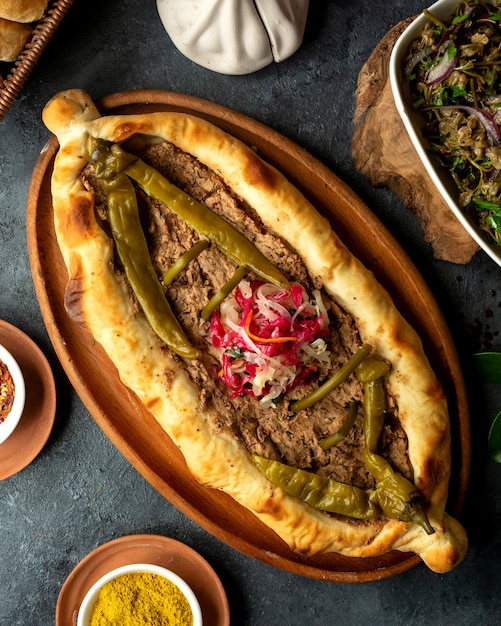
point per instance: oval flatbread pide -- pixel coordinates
(268, 353)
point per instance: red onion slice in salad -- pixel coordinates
(487, 121)
(443, 68)
(447, 63)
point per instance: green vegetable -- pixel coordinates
(110, 159)
(184, 260)
(317, 491)
(371, 369)
(223, 293)
(372, 372)
(374, 412)
(459, 18)
(133, 251)
(397, 496)
(235, 352)
(452, 94)
(335, 438)
(394, 495)
(334, 381)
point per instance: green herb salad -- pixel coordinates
(453, 72)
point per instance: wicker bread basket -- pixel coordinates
(15, 74)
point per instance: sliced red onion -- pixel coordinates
(415, 60)
(493, 175)
(443, 68)
(487, 121)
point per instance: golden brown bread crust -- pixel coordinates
(13, 38)
(221, 461)
(22, 10)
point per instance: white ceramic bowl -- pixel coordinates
(9, 424)
(85, 611)
(414, 121)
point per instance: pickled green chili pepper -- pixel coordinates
(133, 251)
(372, 372)
(110, 159)
(107, 164)
(347, 425)
(183, 261)
(397, 496)
(372, 368)
(374, 412)
(319, 492)
(222, 293)
(334, 381)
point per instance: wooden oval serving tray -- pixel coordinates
(135, 432)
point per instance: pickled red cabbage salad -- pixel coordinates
(270, 339)
(453, 73)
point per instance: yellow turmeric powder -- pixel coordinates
(141, 599)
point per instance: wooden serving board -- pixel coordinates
(383, 152)
(134, 430)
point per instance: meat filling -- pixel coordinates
(276, 432)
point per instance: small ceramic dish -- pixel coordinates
(414, 122)
(90, 598)
(8, 425)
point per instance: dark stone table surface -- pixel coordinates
(80, 492)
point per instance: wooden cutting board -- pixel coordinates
(382, 151)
